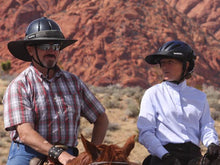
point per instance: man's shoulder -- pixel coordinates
(73, 78)
(22, 75)
(69, 75)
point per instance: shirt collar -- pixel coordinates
(179, 86)
(57, 75)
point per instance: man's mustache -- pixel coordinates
(50, 55)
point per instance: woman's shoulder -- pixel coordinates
(196, 92)
(155, 88)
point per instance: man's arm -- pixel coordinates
(33, 139)
(99, 129)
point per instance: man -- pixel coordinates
(43, 105)
(174, 117)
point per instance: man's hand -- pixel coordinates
(169, 159)
(213, 151)
(65, 157)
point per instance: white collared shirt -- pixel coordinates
(172, 113)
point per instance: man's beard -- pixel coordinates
(50, 63)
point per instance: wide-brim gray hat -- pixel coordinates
(40, 31)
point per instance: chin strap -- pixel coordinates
(41, 64)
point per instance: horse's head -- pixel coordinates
(105, 154)
(109, 153)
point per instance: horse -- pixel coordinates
(204, 161)
(98, 154)
(104, 154)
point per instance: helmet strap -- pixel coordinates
(183, 72)
(38, 61)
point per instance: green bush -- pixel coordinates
(6, 66)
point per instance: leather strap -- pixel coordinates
(54, 153)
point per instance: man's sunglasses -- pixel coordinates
(54, 47)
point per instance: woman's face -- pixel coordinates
(171, 68)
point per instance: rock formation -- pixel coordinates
(114, 36)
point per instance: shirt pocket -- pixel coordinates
(71, 103)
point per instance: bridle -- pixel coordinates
(203, 159)
(107, 162)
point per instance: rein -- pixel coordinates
(105, 162)
(203, 159)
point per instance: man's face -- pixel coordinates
(48, 54)
(172, 69)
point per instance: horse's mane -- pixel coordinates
(204, 161)
(103, 152)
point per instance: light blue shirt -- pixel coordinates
(172, 113)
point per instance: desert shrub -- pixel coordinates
(139, 93)
(216, 115)
(113, 127)
(110, 102)
(211, 91)
(132, 107)
(96, 90)
(213, 96)
(111, 89)
(1, 97)
(6, 65)
(115, 96)
(3, 86)
(133, 92)
(129, 91)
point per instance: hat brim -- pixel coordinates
(18, 48)
(156, 57)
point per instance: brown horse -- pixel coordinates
(204, 161)
(104, 154)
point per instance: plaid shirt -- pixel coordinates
(53, 106)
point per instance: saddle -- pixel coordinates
(38, 161)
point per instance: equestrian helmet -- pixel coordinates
(173, 49)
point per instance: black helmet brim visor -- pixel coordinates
(156, 57)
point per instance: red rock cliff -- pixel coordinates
(114, 36)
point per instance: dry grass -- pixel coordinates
(122, 123)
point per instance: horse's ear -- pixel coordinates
(129, 145)
(90, 148)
